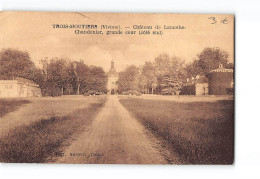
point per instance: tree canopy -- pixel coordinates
(208, 59)
(164, 75)
(167, 74)
(128, 79)
(73, 77)
(57, 76)
(15, 63)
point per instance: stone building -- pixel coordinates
(196, 86)
(19, 87)
(112, 80)
(221, 81)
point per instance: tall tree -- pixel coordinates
(58, 74)
(79, 73)
(208, 59)
(97, 79)
(163, 64)
(148, 79)
(65, 77)
(129, 79)
(170, 74)
(15, 63)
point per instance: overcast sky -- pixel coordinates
(33, 32)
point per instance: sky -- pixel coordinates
(33, 32)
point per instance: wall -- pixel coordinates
(22, 90)
(8, 88)
(111, 83)
(33, 91)
(219, 82)
(12, 88)
(202, 89)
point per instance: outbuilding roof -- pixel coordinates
(26, 81)
(197, 80)
(221, 69)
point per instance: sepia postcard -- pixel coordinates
(116, 88)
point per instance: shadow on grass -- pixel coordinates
(43, 139)
(9, 105)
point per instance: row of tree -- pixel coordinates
(57, 76)
(166, 75)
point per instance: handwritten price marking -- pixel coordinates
(214, 20)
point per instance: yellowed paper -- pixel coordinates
(116, 88)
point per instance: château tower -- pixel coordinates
(112, 79)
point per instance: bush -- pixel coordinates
(93, 92)
(168, 91)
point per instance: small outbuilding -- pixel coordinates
(196, 86)
(19, 87)
(221, 81)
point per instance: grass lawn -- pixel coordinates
(198, 132)
(41, 140)
(9, 105)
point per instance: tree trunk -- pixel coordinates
(78, 89)
(69, 88)
(62, 90)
